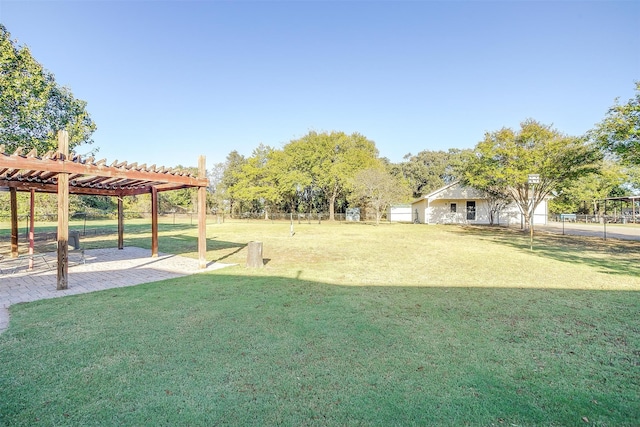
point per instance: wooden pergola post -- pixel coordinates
(120, 224)
(202, 214)
(63, 214)
(32, 226)
(154, 222)
(13, 202)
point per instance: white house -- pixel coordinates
(457, 204)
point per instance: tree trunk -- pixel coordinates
(527, 221)
(332, 203)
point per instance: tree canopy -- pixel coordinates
(230, 178)
(619, 132)
(255, 180)
(33, 107)
(328, 162)
(310, 173)
(585, 194)
(429, 170)
(505, 158)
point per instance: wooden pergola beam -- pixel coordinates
(89, 191)
(18, 163)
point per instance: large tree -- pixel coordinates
(429, 170)
(230, 176)
(256, 182)
(619, 132)
(328, 162)
(33, 107)
(505, 159)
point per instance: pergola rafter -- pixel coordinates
(58, 172)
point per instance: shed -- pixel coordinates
(400, 213)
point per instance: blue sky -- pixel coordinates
(166, 81)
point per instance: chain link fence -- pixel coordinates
(597, 219)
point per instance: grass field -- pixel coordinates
(347, 324)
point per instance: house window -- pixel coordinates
(471, 211)
(453, 207)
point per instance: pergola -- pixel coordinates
(58, 172)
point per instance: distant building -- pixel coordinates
(457, 204)
(400, 213)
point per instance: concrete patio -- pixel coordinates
(103, 269)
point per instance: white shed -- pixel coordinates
(457, 204)
(400, 213)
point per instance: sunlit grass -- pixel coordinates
(419, 255)
(358, 254)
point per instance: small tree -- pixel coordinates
(378, 189)
(215, 191)
(497, 200)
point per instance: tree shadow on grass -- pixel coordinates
(44, 232)
(610, 256)
(173, 242)
(184, 244)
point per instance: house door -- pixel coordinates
(471, 211)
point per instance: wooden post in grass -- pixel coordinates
(154, 222)
(63, 213)
(202, 214)
(254, 255)
(13, 206)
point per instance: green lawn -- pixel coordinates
(347, 324)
